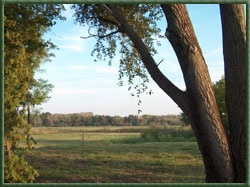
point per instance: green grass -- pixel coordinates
(106, 129)
(112, 157)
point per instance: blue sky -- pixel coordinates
(82, 85)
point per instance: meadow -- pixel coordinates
(113, 155)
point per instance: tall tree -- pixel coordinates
(37, 94)
(24, 51)
(234, 50)
(135, 25)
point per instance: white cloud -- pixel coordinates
(100, 69)
(71, 91)
(78, 67)
(109, 70)
(72, 39)
(214, 52)
(74, 47)
(74, 43)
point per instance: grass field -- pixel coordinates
(111, 155)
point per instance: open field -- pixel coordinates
(111, 155)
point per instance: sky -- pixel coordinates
(82, 85)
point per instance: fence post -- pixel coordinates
(82, 138)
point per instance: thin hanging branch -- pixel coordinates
(163, 82)
(100, 36)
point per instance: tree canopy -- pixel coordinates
(24, 51)
(110, 38)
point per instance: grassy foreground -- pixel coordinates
(105, 155)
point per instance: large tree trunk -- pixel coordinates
(234, 49)
(202, 108)
(198, 102)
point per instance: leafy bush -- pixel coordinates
(17, 170)
(166, 134)
(160, 134)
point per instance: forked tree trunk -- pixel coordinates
(202, 108)
(234, 49)
(198, 101)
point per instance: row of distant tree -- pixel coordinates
(89, 119)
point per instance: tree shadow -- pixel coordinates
(70, 161)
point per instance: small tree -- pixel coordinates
(37, 94)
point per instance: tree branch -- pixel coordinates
(100, 36)
(160, 62)
(106, 20)
(164, 83)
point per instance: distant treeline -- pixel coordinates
(89, 119)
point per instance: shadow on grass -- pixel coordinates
(74, 161)
(108, 167)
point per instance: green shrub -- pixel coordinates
(167, 134)
(17, 170)
(160, 134)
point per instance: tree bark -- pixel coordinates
(198, 101)
(28, 110)
(202, 112)
(7, 147)
(234, 50)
